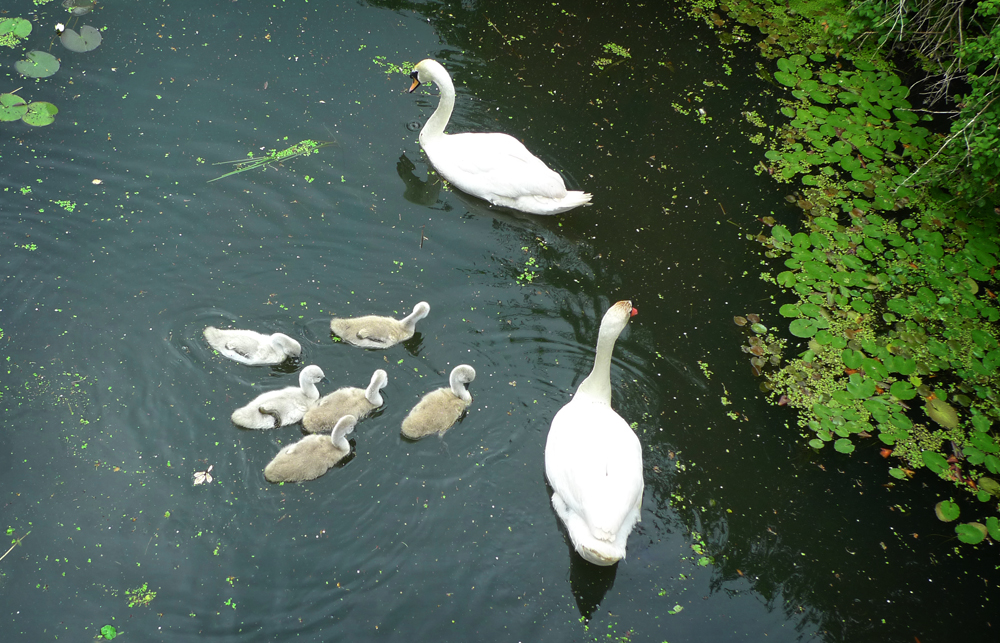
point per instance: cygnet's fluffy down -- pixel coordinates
(345, 401)
(437, 411)
(282, 407)
(312, 456)
(373, 331)
(251, 347)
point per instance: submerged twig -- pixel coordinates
(16, 543)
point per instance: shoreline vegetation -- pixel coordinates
(889, 273)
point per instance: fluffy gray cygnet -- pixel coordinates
(437, 411)
(344, 401)
(251, 347)
(373, 331)
(312, 456)
(282, 407)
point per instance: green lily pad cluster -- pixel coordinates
(13, 108)
(763, 346)
(853, 125)
(972, 533)
(13, 31)
(892, 282)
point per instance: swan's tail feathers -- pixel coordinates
(537, 204)
(603, 554)
(573, 199)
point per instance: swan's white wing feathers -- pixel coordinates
(248, 347)
(494, 163)
(593, 461)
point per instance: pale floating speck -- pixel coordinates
(203, 477)
(87, 40)
(97, 181)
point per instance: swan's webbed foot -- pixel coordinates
(274, 414)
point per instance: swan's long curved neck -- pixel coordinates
(597, 386)
(410, 321)
(309, 388)
(458, 388)
(434, 127)
(372, 392)
(339, 435)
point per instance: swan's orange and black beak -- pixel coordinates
(416, 81)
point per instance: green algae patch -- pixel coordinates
(274, 156)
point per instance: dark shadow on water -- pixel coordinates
(417, 191)
(414, 345)
(589, 583)
(287, 367)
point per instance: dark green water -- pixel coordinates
(113, 400)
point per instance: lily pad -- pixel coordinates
(802, 327)
(87, 40)
(843, 445)
(40, 113)
(946, 511)
(12, 107)
(934, 461)
(993, 526)
(79, 7)
(109, 632)
(17, 26)
(942, 413)
(989, 485)
(971, 532)
(37, 64)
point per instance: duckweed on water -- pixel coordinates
(140, 596)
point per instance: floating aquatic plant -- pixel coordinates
(13, 107)
(894, 307)
(37, 64)
(88, 39)
(13, 31)
(302, 148)
(79, 7)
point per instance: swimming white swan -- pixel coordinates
(312, 456)
(348, 400)
(251, 347)
(282, 407)
(373, 331)
(593, 459)
(492, 166)
(438, 410)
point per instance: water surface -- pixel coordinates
(114, 401)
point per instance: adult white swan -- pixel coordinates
(492, 166)
(593, 460)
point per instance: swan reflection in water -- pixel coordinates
(418, 191)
